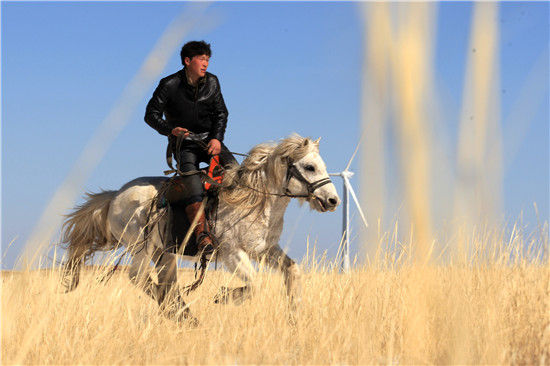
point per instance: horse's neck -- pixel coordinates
(273, 211)
(277, 208)
(268, 216)
(273, 224)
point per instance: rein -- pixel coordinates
(292, 171)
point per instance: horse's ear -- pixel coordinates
(317, 141)
(305, 143)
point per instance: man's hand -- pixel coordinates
(214, 147)
(180, 131)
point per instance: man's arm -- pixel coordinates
(219, 114)
(155, 110)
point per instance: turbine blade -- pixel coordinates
(350, 188)
(354, 153)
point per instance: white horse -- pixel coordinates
(252, 202)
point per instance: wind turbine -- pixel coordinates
(346, 174)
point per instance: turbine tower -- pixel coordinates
(346, 174)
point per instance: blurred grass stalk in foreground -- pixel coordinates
(400, 109)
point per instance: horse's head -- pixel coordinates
(306, 174)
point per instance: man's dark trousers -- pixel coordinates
(189, 189)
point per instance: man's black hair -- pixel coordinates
(195, 48)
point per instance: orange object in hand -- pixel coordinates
(215, 171)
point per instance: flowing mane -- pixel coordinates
(263, 171)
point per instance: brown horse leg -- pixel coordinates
(168, 294)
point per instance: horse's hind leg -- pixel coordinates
(166, 292)
(169, 296)
(71, 269)
(240, 264)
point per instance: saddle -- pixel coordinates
(178, 226)
(177, 222)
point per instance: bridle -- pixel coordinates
(293, 172)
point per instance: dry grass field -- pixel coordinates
(391, 311)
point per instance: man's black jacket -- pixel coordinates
(199, 109)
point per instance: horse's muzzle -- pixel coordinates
(327, 204)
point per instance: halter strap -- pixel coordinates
(293, 172)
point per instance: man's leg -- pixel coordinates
(186, 196)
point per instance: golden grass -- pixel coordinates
(392, 311)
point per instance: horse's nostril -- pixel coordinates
(333, 201)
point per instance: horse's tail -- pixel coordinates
(85, 231)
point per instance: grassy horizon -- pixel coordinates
(491, 309)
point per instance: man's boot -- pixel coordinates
(178, 227)
(201, 231)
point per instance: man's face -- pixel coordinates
(197, 65)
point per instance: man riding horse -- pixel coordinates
(188, 107)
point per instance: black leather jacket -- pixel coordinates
(199, 109)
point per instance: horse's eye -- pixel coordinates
(309, 168)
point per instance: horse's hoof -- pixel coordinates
(292, 320)
(234, 295)
(184, 317)
(239, 298)
(70, 283)
(192, 322)
(187, 319)
(222, 297)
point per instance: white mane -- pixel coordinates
(263, 171)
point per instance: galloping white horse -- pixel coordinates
(252, 202)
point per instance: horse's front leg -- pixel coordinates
(237, 262)
(276, 258)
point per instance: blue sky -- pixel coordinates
(283, 67)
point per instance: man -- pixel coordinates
(189, 105)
